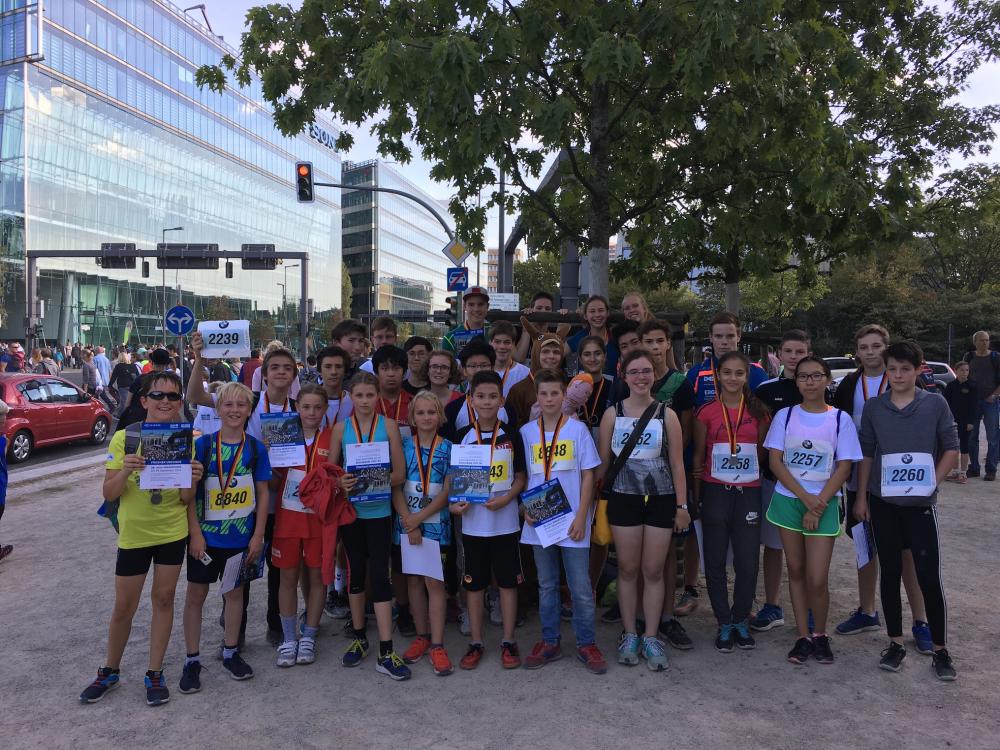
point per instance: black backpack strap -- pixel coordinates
(633, 439)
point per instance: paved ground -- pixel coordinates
(56, 591)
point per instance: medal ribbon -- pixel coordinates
(236, 460)
(425, 473)
(547, 456)
(371, 428)
(730, 430)
(503, 380)
(597, 398)
(399, 406)
(881, 386)
(311, 452)
(493, 442)
(267, 404)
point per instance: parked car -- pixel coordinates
(47, 410)
(841, 366)
(943, 373)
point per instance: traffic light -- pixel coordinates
(229, 269)
(451, 314)
(304, 181)
(145, 269)
(117, 255)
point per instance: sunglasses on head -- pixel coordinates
(160, 395)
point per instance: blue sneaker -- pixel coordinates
(191, 678)
(156, 689)
(768, 617)
(724, 641)
(628, 649)
(859, 622)
(357, 651)
(106, 681)
(742, 637)
(393, 666)
(922, 637)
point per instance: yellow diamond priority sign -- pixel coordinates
(455, 252)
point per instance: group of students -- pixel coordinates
(644, 452)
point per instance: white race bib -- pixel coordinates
(741, 468)
(811, 460)
(290, 499)
(650, 444)
(502, 470)
(416, 498)
(236, 501)
(908, 474)
(225, 339)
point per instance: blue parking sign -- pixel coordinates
(458, 279)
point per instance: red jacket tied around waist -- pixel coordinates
(320, 491)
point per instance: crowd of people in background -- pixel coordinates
(662, 464)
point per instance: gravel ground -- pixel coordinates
(56, 591)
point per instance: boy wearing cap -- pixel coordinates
(475, 303)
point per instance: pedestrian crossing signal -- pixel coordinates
(304, 181)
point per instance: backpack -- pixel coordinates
(109, 508)
(994, 359)
(666, 393)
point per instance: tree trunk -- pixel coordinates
(732, 272)
(733, 297)
(600, 200)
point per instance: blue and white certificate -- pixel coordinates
(283, 436)
(550, 512)
(470, 474)
(369, 462)
(166, 449)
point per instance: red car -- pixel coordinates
(46, 410)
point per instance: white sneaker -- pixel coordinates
(287, 652)
(307, 650)
(493, 601)
(463, 622)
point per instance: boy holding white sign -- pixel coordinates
(423, 518)
(491, 530)
(561, 462)
(910, 443)
(227, 520)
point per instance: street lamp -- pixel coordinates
(284, 302)
(163, 285)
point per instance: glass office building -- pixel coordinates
(392, 245)
(104, 137)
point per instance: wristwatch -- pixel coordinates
(682, 507)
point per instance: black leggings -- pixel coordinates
(896, 528)
(368, 543)
(730, 515)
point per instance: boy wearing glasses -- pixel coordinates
(153, 529)
(460, 413)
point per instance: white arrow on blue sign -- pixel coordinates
(180, 320)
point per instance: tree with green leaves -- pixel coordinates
(537, 274)
(735, 138)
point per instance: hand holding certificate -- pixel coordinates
(369, 464)
(166, 451)
(549, 512)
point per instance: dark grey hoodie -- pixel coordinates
(924, 425)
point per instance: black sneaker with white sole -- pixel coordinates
(821, 649)
(801, 651)
(237, 668)
(675, 634)
(190, 678)
(892, 658)
(943, 667)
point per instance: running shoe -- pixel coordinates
(190, 678)
(628, 649)
(922, 637)
(416, 650)
(107, 680)
(892, 658)
(288, 653)
(943, 667)
(391, 665)
(307, 650)
(821, 649)
(724, 641)
(493, 603)
(348, 629)
(952, 476)
(5, 550)
(859, 622)
(440, 661)
(237, 668)
(357, 651)
(675, 634)
(990, 476)
(337, 606)
(472, 657)
(687, 603)
(742, 636)
(592, 659)
(963, 478)
(612, 614)
(156, 689)
(542, 654)
(655, 654)
(463, 622)
(801, 652)
(509, 656)
(768, 617)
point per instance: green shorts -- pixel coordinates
(787, 512)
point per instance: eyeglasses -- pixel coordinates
(636, 373)
(440, 368)
(172, 396)
(487, 366)
(811, 377)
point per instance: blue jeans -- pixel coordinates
(990, 414)
(576, 561)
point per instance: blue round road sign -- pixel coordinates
(180, 320)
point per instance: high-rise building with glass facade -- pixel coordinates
(105, 137)
(392, 245)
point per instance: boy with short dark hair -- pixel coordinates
(561, 449)
(475, 358)
(332, 362)
(389, 363)
(503, 336)
(491, 532)
(350, 335)
(418, 354)
(961, 395)
(909, 443)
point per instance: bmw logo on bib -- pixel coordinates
(223, 324)
(807, 444)
(907, 458)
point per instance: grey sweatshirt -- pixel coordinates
(924, 425)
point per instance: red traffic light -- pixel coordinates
(304, 182)
(304, 170)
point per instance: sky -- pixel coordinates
(227, 18)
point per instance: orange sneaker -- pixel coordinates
(441, 662)
(509, 656)
(472, 657)
(416, 650)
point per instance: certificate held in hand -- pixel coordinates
(369, 462)
(470, 474)
(166, 449)
(549, 510)
(284, 438)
